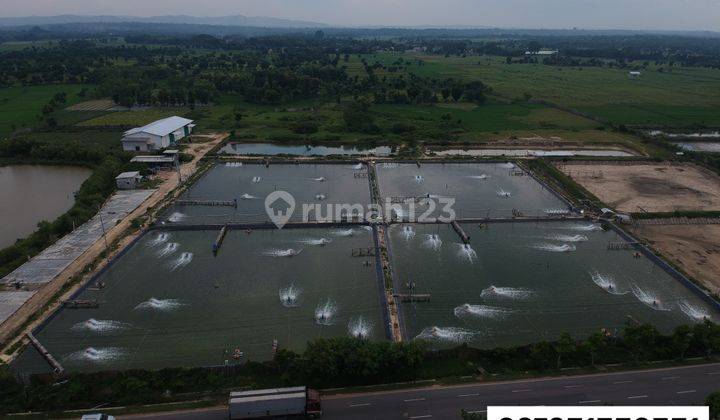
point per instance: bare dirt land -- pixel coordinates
(638, 187)
(693, 248)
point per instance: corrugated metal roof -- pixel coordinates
(153, 159)
(124, 175)
(161, 127)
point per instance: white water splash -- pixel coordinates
(433, 241)
(502, 193)
(316, 241)
(160, 304)
(184, 259)
(555, 248)
(446, 334)
(507, 165)
(567, 238)
(319, 179)
(606, 283)
(320, 197)
(256, 179)
(289, 296)
(585, 228)
(97, 355)
(419, 179)
(557, 212)
(176, 217)
(408, 232)
(159, 239)
(168, 249)
(360, 328)
(466, 252)
(648, 298)
(100, 325)
(343, 232)
(506, 293)
(358, 167)
(480, 311)
(325, 313)
(694, 312)
(290, 252)
(480, 177)
(247, 196)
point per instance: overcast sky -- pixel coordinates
(595, 14)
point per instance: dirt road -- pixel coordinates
(166, 190)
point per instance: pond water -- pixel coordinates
(251, 183)
(478, 189)
(532, 152)
(30, 194)
(270, 149)
(523, 282)
(699, 146)
(169, 302)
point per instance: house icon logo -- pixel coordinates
(279, 206)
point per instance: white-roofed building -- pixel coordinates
(157, 135)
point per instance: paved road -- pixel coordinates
(672, 386)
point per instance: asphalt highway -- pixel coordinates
(671, 386)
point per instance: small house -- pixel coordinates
(128, 180)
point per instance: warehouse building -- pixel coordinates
(157, 135)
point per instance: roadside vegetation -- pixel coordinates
(348, 362)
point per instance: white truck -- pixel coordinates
(295, 402)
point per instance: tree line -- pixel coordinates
(345, 361)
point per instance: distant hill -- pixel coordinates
(237, 20)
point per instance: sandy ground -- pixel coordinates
(170, 182)
(694, 248)
(649, 187)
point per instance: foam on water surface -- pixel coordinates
(160, 304)
(447, 334)
(289, 296)
(513, 293)
(184, 259)
(97, 355)
(290, 252)
(607, 283)
(100, 325)
(694, 312)
(555, 247)
(325, 312)
(648, 298)
(480, 311)
(360, 328)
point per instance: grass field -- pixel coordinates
(682, 96)
(445, 122)
(102, 139)
(131, 118)
(21, 106)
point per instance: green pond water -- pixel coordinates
(479, 189)
(524, 282)
(250, 184)
(178, 305)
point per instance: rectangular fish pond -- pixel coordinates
(523, 282)
(169, 302)
(480, 189)
(272, 149)
(251, 183)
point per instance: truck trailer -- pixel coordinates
(295, 402)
